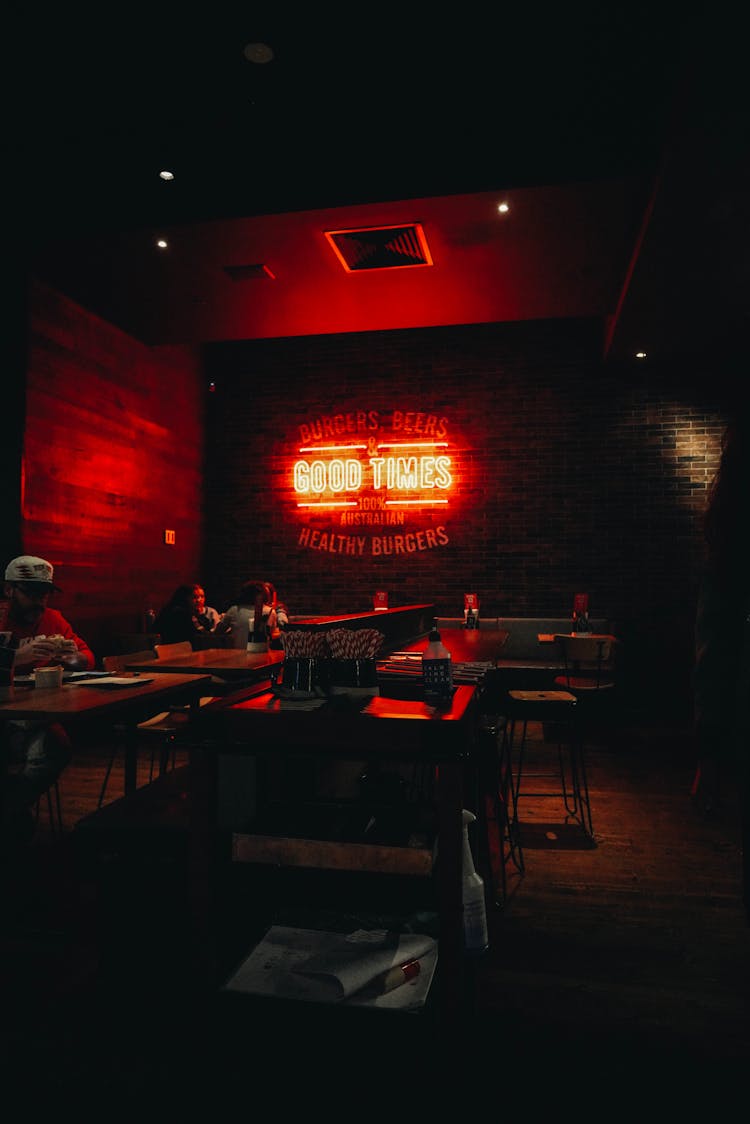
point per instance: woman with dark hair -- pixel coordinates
(186, 617)
(721, 677)
(239, 619)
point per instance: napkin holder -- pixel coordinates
(355, 677)
(302, 677)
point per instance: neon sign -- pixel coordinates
(428, 473)
(369, 469)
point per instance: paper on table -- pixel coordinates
(115, 681)
(68, 676)
(324, 967)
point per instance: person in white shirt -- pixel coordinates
(239, 619)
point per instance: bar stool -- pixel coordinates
(498, 842)
(557, 709)
(496, 803)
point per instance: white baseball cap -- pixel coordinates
(35, 571)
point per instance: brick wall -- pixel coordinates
(113, 456)
(568, 477)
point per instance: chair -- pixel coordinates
(129, 642)
(221, 685)
(181, 648)
(589, 675)
(163, 728)
(587, 663)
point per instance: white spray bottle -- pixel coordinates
(476, 938)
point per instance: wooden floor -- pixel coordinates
(630, 959)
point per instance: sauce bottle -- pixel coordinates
(437, 668)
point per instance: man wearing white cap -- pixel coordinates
(39, 635)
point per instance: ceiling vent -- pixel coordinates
(380, 247)
(249, 272)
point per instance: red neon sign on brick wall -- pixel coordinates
(369, 469)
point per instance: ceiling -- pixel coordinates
(618, 139)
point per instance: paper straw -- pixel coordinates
(354, 644)
(301, 645)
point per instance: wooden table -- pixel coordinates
(76, 701)
(403, 623)
(383, 729)
(225, 663)
(551, 637)
(468, 645)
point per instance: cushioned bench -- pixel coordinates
(523, 642)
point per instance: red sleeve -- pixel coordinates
(66, 630)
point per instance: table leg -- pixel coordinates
(131, 761)
(450, 889)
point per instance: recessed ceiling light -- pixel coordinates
(503, 208)
(162, 243)
(165, 175)
(640, 354)
(257, 52)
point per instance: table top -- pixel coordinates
(344, 727)
(368, 616)
(79, 699)
(375, 706)
(550, 637)
(467, 645)
(227, 663)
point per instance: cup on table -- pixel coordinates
(46, 677)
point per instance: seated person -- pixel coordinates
(37, 752)
(186, 617)
(206, 615)
(239, 619)
(279, 608)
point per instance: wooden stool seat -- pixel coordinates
(556, 709)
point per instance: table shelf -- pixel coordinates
(330, 835)
(327, 854)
